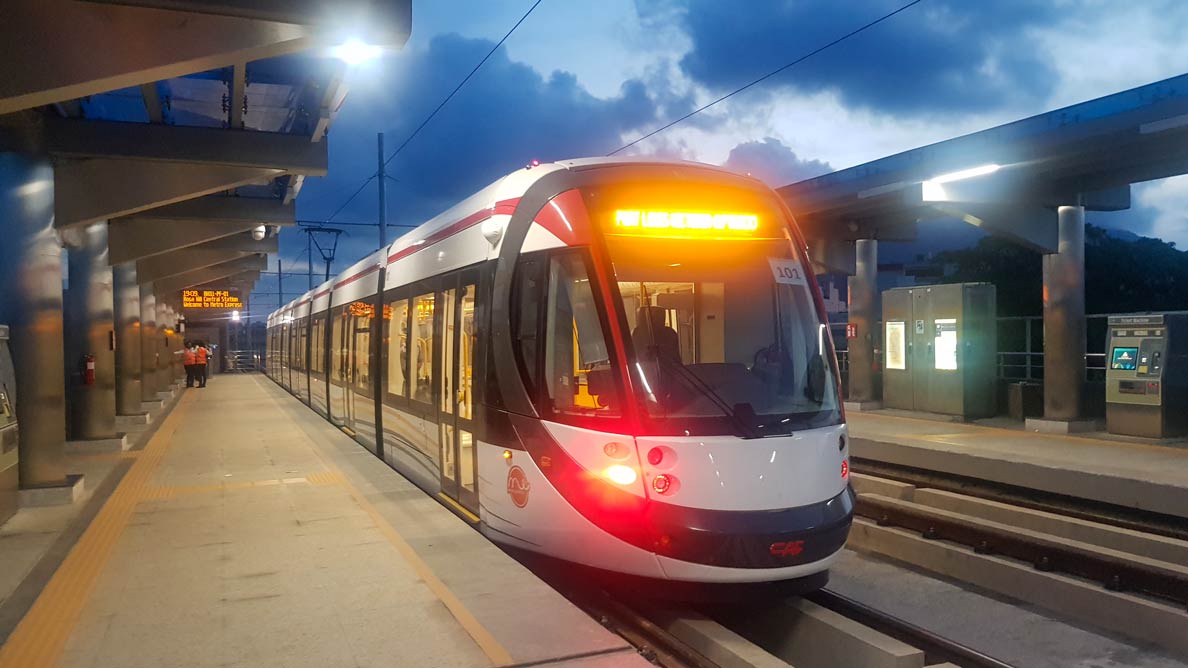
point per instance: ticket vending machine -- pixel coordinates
(939, 347)
(1147, 375)
(9, 473)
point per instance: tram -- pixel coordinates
(624, 364)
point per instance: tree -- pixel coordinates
(1121, 276)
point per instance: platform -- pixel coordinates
(250, 532)
(1147, 476)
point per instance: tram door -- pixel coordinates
(360, 409)
(459, 464)
(340, 365)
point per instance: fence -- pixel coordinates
(243, 361)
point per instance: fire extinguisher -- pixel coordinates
(88, 369)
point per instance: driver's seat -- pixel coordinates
(652, 338)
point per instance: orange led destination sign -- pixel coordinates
(211, 299)
(685, 224)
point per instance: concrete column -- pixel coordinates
(148, 344)
(864, 313)
(174, 346)
(127, 335)
(164, 359)
(90, 332)
(1064, 319)
(31, 305)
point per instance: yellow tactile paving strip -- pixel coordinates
(42, 634)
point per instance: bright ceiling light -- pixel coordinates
(355, 51)
(966, 174)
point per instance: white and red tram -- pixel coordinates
(623, 364)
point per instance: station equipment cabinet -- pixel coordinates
(9, 472)
(939, 348)
(1147, 375)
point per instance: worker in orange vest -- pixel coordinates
(201, 354)
(190, 361)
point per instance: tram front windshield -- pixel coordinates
(722, 334)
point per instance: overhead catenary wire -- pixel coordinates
(462, 83)
(350, 199)
(428, 118)
(770, 74)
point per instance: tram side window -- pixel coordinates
(529, 284)
(397, 337)
(421, 348)
(575, 350)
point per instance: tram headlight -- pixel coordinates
(621, 475)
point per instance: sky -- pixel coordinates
(583, 78)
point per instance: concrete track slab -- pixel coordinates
(1130, 474)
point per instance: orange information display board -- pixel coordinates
(211, 299)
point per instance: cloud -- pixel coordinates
(506, 116)
(941, 57)
(772, 162)
(1166, 201)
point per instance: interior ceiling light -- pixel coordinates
(355, 51)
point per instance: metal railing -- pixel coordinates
(243, 361)
(1027, 366)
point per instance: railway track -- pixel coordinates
(1089, 510)
(937, 648)
(821, 630)
(1085, 564)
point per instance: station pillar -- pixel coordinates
(126, 296)
(148, 344)
(164, 358)
(865, 390)
(1064, 328)
(31, 305)
(90, 337)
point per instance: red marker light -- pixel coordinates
(661, 483)
(655, 456)
(845, 469)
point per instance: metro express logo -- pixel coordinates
(789, 548)
(518, 486)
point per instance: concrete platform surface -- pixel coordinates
(1131, 474)
(250, 532)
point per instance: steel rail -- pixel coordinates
(936, 648)
(653, 642)
(1090, 510)
(1047, 553)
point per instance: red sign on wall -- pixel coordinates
(851, 330)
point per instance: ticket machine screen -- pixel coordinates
(1124, 359)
